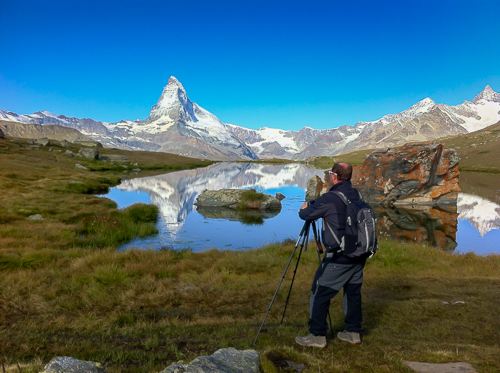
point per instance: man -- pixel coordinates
(336, 270)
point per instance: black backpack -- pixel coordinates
(360, 240)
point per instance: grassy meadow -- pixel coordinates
(66, 291)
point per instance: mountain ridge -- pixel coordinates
(178, 125)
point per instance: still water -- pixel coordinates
(472, 226)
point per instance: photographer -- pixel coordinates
(336, 270)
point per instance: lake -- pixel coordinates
(471, 226)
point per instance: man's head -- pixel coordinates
(341, 171)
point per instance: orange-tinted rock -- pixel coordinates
(417, 173)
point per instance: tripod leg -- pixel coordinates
(304, 244)
(316, 238)
(306, 226)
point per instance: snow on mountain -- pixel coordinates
(483, 214)
(260, 139)
(178, 125)
(13, 117)
(175, 119)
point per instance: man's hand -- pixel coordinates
(304, 205)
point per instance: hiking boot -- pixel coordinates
(312, 340)
(351, 337)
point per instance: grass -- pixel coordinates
(66, 291)
(354, 158)
(252, 195)
(140, 311)
(480, 150)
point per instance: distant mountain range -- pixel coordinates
(178, 125)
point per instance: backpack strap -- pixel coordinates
(339, 242)
(344, 198)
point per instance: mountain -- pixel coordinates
(178, 125)
(175, 125)
(29, 130)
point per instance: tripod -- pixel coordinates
(302, 241)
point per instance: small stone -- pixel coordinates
(35, 217)
(78, 165)
(459, 367)
(65, 364)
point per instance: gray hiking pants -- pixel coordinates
(329, 279)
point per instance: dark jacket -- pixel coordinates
(332, 210)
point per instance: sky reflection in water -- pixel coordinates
(181, 226)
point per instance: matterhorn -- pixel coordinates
(178, 125)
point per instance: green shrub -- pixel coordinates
(119, 226)
(252, 195)
(142, 213)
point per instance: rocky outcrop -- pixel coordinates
(414, 174)
(226, 360)
(36, 131)
(417, 173)
(2, 135)
(234, 198)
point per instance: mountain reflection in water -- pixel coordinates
(472, 225)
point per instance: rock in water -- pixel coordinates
(314, 188)
(417, 173)
(232, 198)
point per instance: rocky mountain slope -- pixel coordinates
(178, 125)
(35, 131)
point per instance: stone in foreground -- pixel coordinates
(65, 364)
(459, 367)
(226, 360)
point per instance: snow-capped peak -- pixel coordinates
(487, 94)
(422, 106)
(172, 96)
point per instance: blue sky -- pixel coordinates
(283, 64)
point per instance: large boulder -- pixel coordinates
(414, 174)
(44, 141)
(417, 173)
(89, 153)
(234, 198)
(226, 360)
(65, 364)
